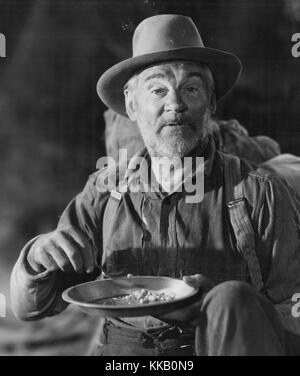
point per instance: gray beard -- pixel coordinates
(179, 149)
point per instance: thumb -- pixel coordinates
(199, 281)
(189, 279)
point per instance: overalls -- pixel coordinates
(144, 245)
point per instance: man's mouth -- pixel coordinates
(176, 121)
(175, 124)
(181, 123)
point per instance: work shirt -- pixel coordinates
(160, 234)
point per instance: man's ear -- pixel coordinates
(130, 104)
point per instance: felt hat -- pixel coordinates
(161, 39)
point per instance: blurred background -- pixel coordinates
(52, 125)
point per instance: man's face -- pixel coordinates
(169, 102)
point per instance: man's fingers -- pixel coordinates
(199, 281)
(73, 233)
(47, 262)
(79, 251)
(73, 252)
(60, 259)
(88, 253)
(63, 249)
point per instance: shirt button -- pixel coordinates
(167, 202)
(147, 236)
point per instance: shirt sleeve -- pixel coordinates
(278, 247)
(35, 296)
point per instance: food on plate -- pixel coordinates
(139, 297)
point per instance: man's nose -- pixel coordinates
(175, 102)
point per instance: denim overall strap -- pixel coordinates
(109, 216)
(116, 196)
(240, 220)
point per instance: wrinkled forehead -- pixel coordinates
(175, 69)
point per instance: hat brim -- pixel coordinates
(225, 67)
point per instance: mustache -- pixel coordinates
(176, 119)
(184, 122)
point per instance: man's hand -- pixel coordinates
(189, 315)
(199, 282)
(65, 249)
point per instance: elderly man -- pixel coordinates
(239, 245)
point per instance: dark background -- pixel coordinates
(52, 121)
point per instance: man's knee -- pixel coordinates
(229, 295)
(237, 320)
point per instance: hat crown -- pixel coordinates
(164, 33)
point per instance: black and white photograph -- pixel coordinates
(149, 181)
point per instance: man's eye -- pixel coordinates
(158, 91)
(191, 89)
